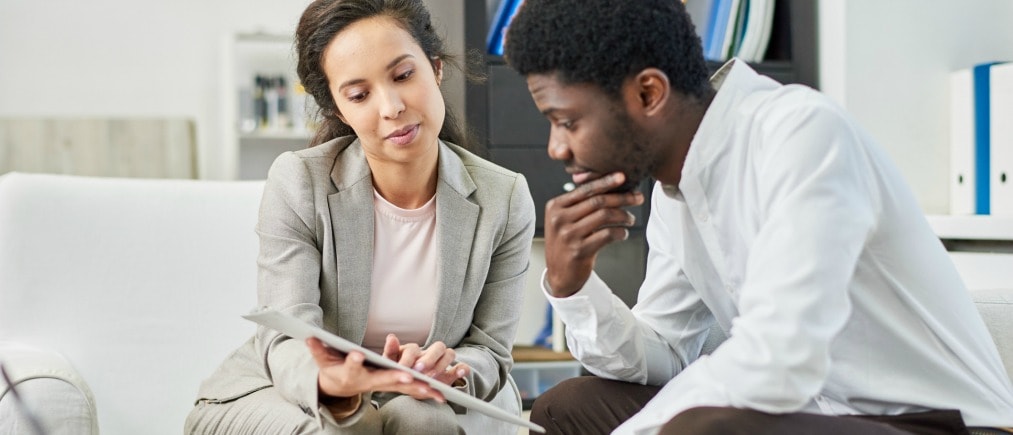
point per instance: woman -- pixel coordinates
(385, 233)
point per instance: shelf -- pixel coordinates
(980, 227)
(276, 135)
(538, 354)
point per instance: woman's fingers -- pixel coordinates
(453, 373)
(429, 361)
(409, 354)
(392, 348)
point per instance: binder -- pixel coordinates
(717, 29)
(961, 179)
(1001, 136)
(494, 40)
(982, 137)
(700, 12)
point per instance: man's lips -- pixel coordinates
(582, 177)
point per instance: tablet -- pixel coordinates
(296, 328)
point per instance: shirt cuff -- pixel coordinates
(595, 294)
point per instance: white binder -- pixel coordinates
(961, 176)
(1001, 163)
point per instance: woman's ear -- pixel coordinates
(340, 117)
(438, 70)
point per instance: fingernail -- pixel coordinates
(419, 367)
(460, 373)
(626, 234)
(405, 379)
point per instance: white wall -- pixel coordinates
(144, 58)
(888, 63)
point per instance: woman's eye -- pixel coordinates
(566, 124)
(405, 75)
(355, 98)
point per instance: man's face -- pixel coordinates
(591, 131)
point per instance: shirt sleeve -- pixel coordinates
(817, 209)
(664, 331)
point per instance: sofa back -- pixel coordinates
(139, 283)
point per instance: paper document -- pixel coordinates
(298, 329)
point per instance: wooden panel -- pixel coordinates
(141, 148)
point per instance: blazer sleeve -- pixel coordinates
(486, 346)
(288, 275)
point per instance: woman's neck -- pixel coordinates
(406, 185)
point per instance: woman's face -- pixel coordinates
(386, 89)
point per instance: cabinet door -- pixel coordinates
(547, 178)
(513, 118)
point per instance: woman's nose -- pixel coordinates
(392, 106)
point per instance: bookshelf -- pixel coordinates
(254, 135)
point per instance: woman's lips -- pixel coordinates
(405, 135)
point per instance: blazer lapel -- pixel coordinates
(456, 218)
(351, 210)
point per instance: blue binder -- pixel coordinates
(982, 137)
(505, 12)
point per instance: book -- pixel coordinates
(296, 328)
(719, 18)
(759, 22)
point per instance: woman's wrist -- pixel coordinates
(340, 407)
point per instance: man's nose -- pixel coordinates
(558, 148)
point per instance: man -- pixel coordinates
(775, 217)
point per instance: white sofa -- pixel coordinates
(118, 296)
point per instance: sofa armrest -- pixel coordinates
(996, 308)
(49, 387)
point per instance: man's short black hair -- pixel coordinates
(603, 42)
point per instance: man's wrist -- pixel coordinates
(555, 291)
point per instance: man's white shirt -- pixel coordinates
(793, 231)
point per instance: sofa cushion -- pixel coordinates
(140, 283)
(996, 308)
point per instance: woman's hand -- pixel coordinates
(436, 361)
(346, 376)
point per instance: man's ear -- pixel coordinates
(652, 90)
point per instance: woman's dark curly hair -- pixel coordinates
(603, 42)
(324, 19)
